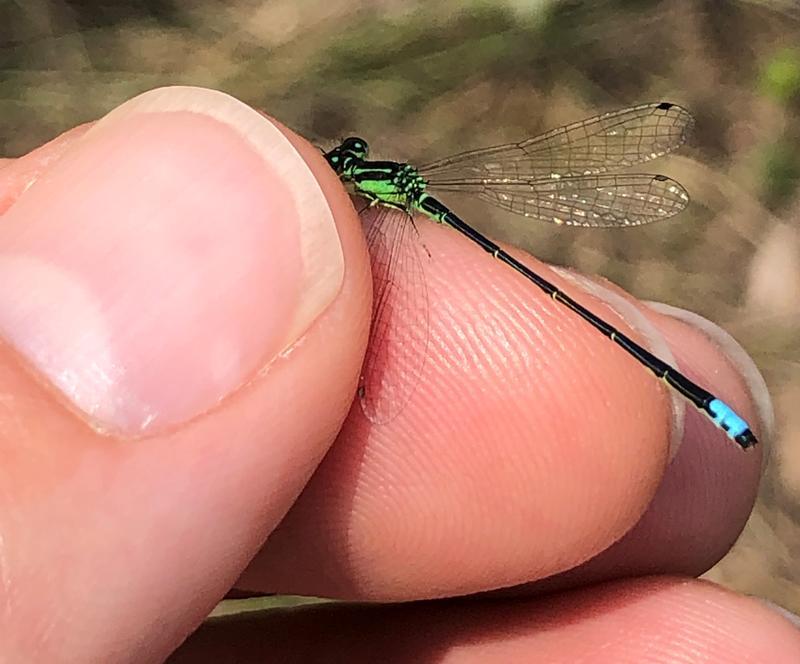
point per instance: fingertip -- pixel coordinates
(16, 175)
(683, 351)
(708, 491)
(657, 619)
(629, 311)
(157, 224)
(184, 187)
(530, 440)
(728, 351)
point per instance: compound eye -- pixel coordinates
(357, 146)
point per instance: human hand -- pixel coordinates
(184, 307)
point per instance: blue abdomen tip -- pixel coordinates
(726, 419)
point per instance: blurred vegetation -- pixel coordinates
(781, 76)
(422, 79)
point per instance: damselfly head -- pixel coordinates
(347, 154)
(356, 147)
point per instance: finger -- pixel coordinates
(183, 312)
(707, 494)
(655, 619)
(15, 180)
(531, 442)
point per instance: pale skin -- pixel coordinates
(110, 545)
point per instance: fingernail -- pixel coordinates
(651, 338)
(173, 252)
(737, 356)
(784, 613)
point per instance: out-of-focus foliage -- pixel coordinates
(781, 170)
(424, 79)
(781, 78)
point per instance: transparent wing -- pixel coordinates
(606, 200)
(606, 142)
(398, 340)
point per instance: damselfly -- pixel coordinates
(560, 177)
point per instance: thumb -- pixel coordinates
(184, 302)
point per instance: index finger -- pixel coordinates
(529, 445)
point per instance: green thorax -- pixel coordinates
(385, 182)
(388, 182)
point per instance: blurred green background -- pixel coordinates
(425, 79)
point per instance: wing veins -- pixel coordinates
(608, 141)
